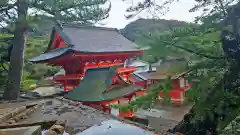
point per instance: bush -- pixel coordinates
(45, 83)
(27, 85)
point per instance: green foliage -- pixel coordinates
(79, 11)
(32, 73)
(198, 44)
(232, 128)
(27, 83)
(179, 41)
(45, 83)
(5, 39)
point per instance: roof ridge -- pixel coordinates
(88, 26)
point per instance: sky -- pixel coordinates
(177, 11)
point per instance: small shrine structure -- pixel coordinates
(179, 82)
(174, 67)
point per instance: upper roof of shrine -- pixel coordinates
(86, 39)
(97, 39)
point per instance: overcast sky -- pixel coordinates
(177, 11)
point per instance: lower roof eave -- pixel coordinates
(38, 59)
(109, 95)
(50, 55)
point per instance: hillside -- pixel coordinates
(136, 29)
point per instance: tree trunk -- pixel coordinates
(220, 106)
(17, 54)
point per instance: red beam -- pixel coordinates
(112, 54)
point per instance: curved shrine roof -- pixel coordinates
(87, 39)
(51, 54)
(95, 87)
(97, 39)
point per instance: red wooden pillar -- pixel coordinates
(146, 85)
(65, 85)
(106, 108)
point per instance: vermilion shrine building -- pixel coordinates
(77, 48)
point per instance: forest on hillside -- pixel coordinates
(213, 67)
(143, 27)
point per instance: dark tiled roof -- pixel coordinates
(135, 78)
(144, 75)
(51, 54)
(89, 39)
(158, 75)
(97, 39)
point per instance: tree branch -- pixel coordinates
(2, 18)
(222, 8)
(8, 15)
(4, 68)
(10, 6)
(198, 53)
(42, 7)
(78, 5)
